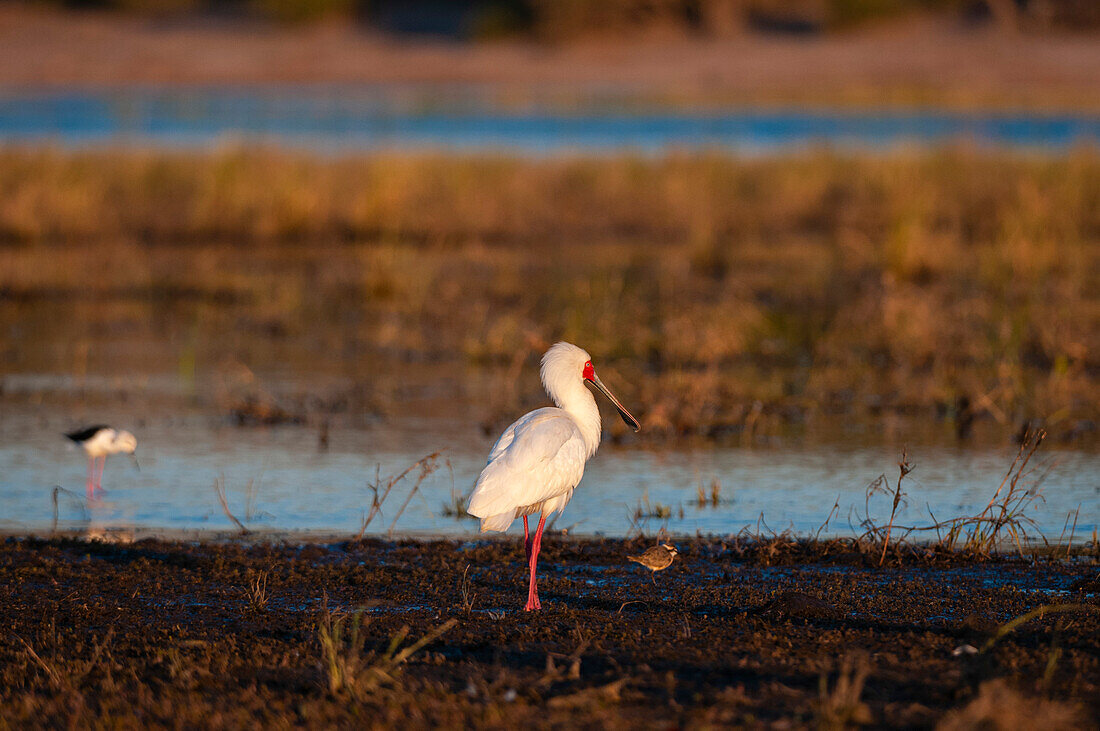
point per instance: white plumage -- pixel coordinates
(98, 442)
(533, 468)
(537, 462)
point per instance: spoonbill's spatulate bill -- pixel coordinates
(99, 441)
(538, 461)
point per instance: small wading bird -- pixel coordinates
(99, 441)
(658, 558)
(538, 461)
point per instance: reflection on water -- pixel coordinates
(471, 117)
(297, 486)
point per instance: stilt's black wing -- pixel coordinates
(83, 435)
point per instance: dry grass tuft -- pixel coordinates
(465, 590)
(999, 707)
(1005, 521)
(69, 674)
(348, 668)
(1006, 517)
(840, 707)
(257, 591)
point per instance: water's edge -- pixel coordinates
(342, 117)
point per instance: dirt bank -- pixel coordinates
(169, 634)
(913, 63)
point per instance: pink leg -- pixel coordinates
(535, 550)
(89, 488)
(99, 480)
(536, 544)
(526, 541)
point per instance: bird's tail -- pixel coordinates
(635, 559)
(498, 522)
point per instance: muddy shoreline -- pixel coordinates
(902, 64)
(760, 633)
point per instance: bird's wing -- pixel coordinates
(505, 439)
(523, 423)
(537, 458)
(83, 435)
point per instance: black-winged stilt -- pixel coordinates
(99, 441)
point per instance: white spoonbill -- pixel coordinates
(99, 441)
(537, 462)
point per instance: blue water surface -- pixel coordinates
(374, 117)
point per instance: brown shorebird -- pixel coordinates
(658, 558)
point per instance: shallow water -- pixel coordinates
(463, 117)
(297, 487)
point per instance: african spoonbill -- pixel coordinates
(538, 461)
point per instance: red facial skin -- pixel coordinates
(589, 372)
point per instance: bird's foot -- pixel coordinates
(533, 603)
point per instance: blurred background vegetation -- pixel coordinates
(722, 293)
(569, 19)
(727, 292)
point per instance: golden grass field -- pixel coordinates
(725, 294)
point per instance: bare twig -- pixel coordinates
(1003, 519)
(836, 508)
(468, 597)
(1054, 655)
(457, 507)
(250, 491)
(904, 469)
(75, 499)
(219, 490)
(377, 487)
(1031, 443)
(553, 673)
(1073, 530)
(428, 465)
(51, 672)
(69, 675)
(1037, 613)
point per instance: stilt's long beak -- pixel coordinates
(136, 465)
(628, 418)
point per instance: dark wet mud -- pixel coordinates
(215, 635)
